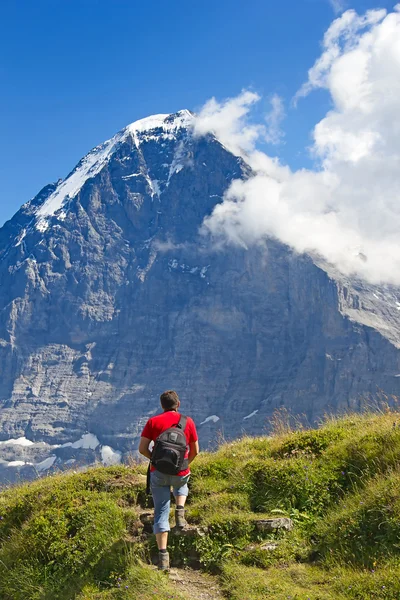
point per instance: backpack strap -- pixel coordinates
(182, 423)
(148, 488)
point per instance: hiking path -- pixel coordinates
(196, 585)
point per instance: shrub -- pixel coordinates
(59, 546)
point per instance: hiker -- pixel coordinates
(175, 447)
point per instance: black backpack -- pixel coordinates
(169, 450)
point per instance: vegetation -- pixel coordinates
(79, 535)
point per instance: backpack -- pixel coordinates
(169, 450)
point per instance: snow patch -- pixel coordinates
(155, 187)
(88, 441)
(212, 418)
(20, 237)
(109, 456)
(174, 264)
(130, 176)
(176, 164)
(169, 124)
(46, 463)
(22, 441)
(250, 415)
(17, 463)
(42, 225)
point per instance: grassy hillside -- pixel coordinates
(80, 535)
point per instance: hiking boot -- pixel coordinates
(180, 521)
(163, 561)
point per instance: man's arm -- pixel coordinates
(144, 447)
(193, 451)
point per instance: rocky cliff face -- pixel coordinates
(109, 295)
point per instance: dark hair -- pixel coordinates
(169, 400)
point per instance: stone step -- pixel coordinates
(267, 547)
(271, 525)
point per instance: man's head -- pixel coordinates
(170, 400)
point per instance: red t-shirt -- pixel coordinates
(156, 425)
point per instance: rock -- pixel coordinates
(147, 519)
(270, 525)
(190, 531)
(269, 547)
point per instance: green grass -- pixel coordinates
(299, 581)
(79, 535)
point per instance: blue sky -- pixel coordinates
(73, 72)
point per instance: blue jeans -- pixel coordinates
(161, 491)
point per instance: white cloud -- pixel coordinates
(228, 121)
(167, 245)
(274, 118)
(341, 37)
(348, 208)
(338, 6)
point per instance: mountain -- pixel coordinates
(109, 295)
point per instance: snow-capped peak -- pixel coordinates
(169, 123)
(142, 130)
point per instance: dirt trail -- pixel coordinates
(196, 585)
(192, 584)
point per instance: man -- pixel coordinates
(160, 482)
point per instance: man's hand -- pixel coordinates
(144, 447)
(193, 451)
